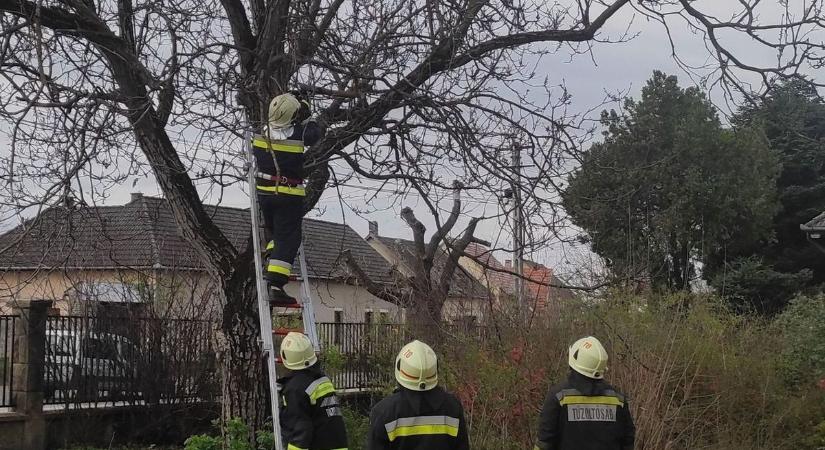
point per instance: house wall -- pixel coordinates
(459, 309)
(184, 294)
(492, 280)
(40, 284)
(178, 293)
(43, 284)
(353, 302)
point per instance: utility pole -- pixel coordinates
(518, 230)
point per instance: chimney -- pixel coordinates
(373, 228)
(135, 196)
(508, 264)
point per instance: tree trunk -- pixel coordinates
(241, 363)
(425, 318)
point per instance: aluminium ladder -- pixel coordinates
(264, 308)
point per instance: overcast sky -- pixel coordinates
(613, 68)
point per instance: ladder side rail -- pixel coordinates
(310, 328)
(264, 313)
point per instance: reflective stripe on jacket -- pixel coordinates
(289, 155)
(407, 420)
(585, 414)
(311, 415)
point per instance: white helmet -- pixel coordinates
(282, 110)
(416, 367)
(297, 352)
(588, 357)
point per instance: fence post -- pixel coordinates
(29, 364)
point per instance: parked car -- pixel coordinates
(87, 366)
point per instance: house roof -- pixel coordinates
(538, 288)
(537, 275)
(494, 270)
(143, 234)
(816, 224)
(463, 285)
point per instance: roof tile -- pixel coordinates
(463, 284)
(143, 233)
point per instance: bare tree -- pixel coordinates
(426, 290)
(413, 92)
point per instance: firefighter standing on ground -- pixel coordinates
(420, 415)
(310, 414)
(279, 155)
(585, 413)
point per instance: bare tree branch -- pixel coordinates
(384, 292)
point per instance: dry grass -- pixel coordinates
(697, 377)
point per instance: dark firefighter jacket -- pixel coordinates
(407, 420)
(585, 414)
(289, 154)
(311, 415)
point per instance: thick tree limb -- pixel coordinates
(418, 230)
(272, 66)
(441, 59)
(125, 16)
(241, 32)
(322, 28)
(514, 40)
(453, 256)
(131, 76)
(383, 292)
(444, 229)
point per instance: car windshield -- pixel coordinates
(60, 346)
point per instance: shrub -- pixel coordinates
(802, 325)
(237, 434)
(696, 375)
(237, 438)
(357, 428)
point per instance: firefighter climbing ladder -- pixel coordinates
(264, 311)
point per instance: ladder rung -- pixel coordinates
(281, 331)
(294, 306)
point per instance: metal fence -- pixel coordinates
(150, 360)
(7, 328)
(131, 360)
(360, 355)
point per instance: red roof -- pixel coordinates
(539, 276)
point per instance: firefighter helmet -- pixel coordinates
(588, 357)
(283, 110)
(297, 352)
(416, 367)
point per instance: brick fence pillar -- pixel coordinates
(28, 366)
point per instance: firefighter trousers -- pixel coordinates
(283, 217)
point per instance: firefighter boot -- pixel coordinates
(279, 297)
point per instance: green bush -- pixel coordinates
(802, 326)
(696, 374)
(237, 434)
(128, 447)
(357, 428)
(237, 438)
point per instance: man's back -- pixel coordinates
(428, 420)
(585, 414)
(311, 414)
